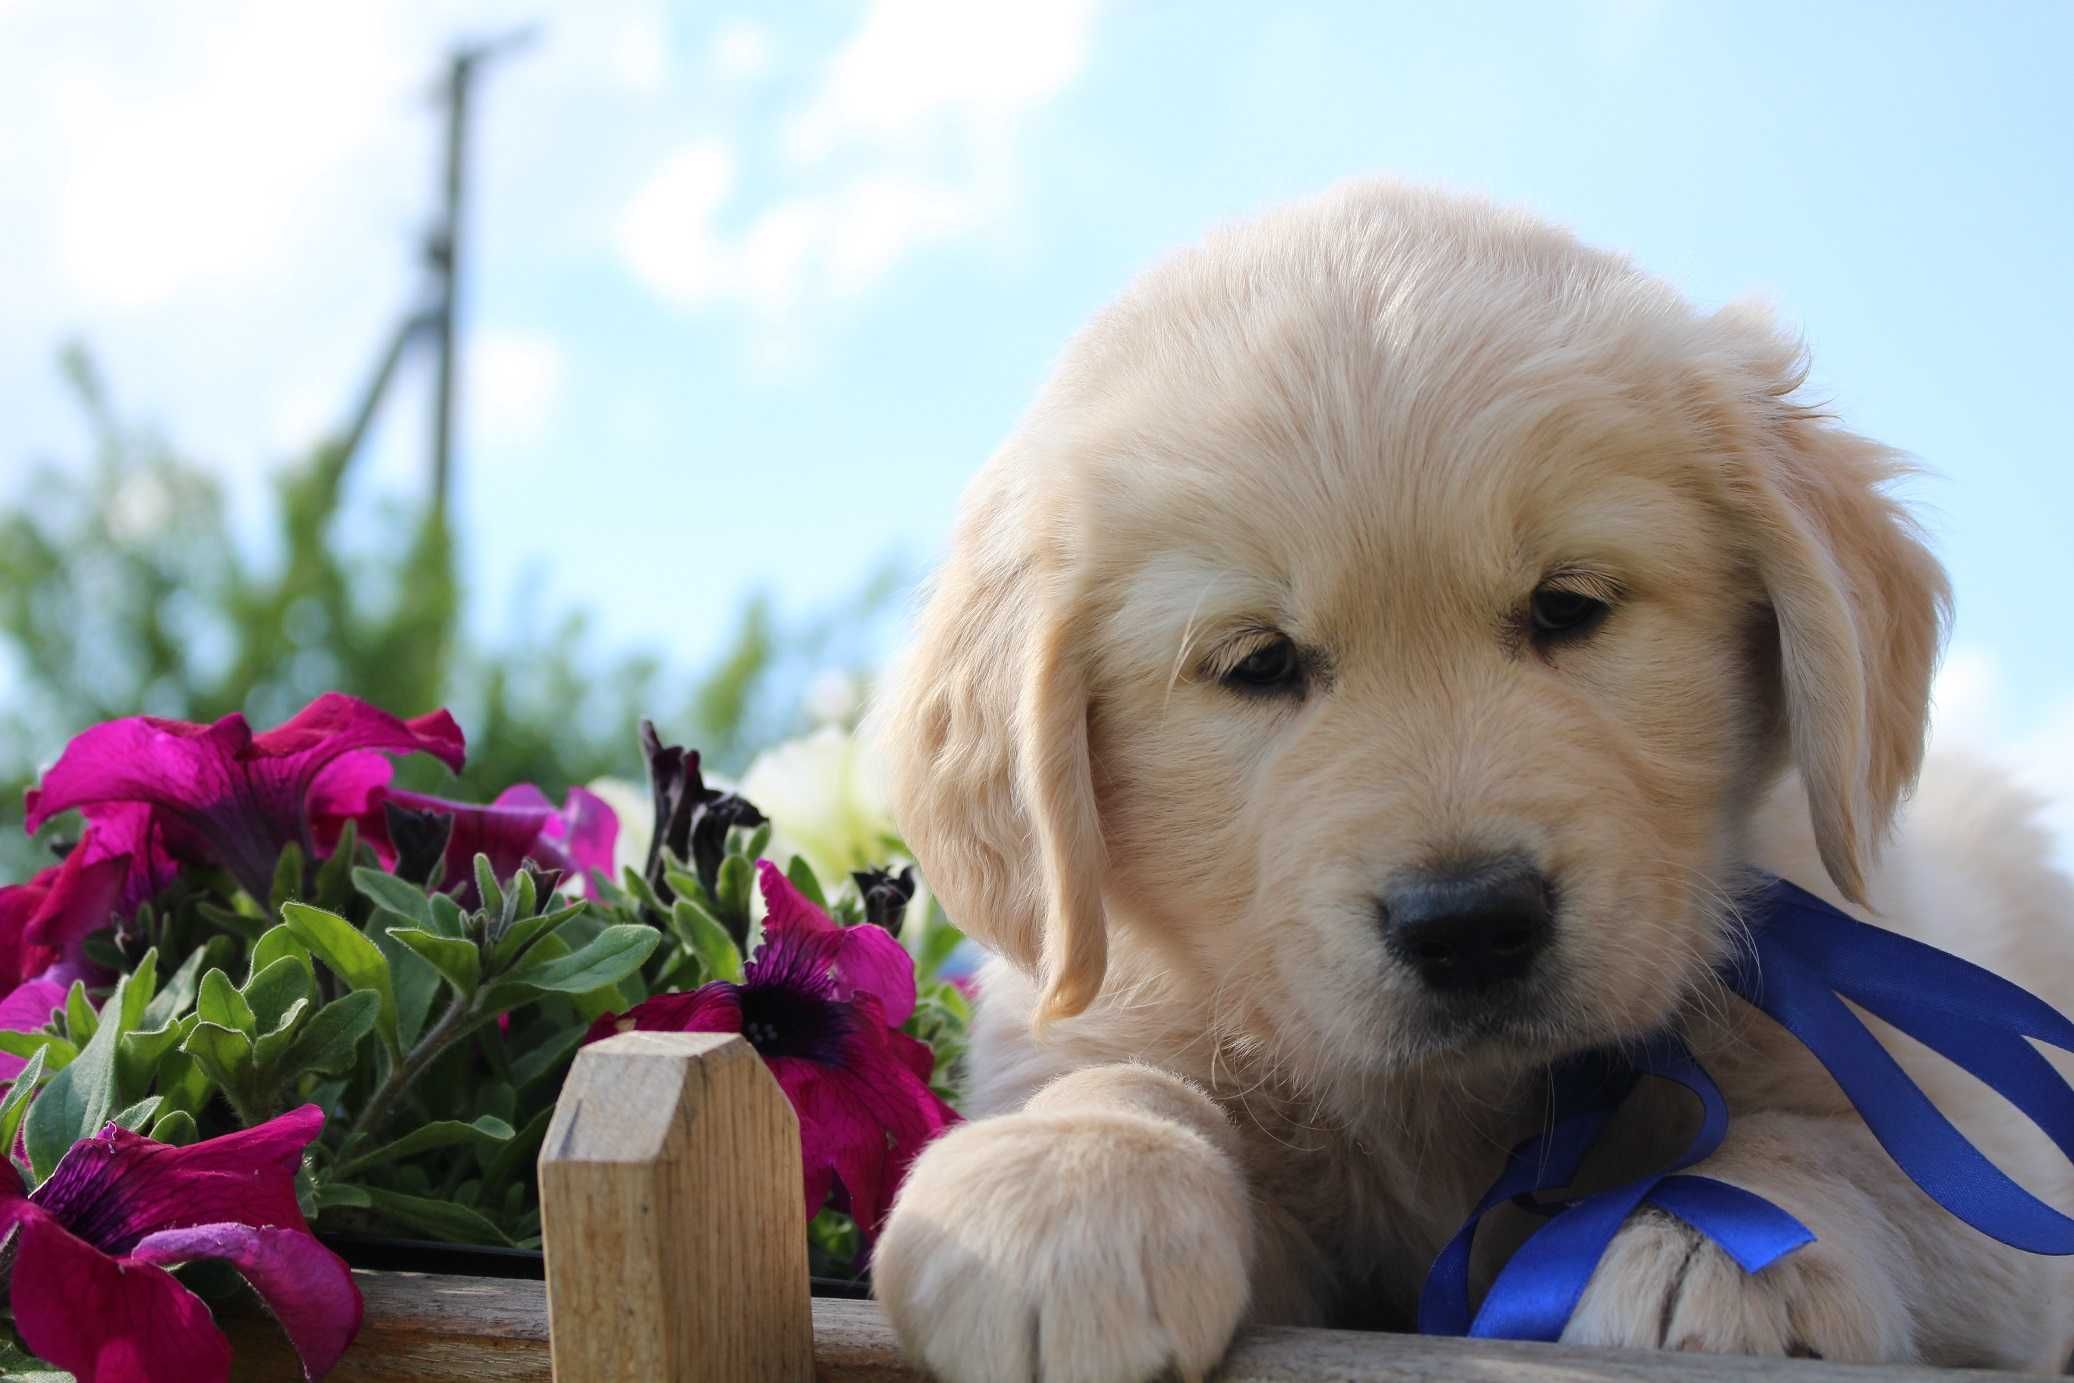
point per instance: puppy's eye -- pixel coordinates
(1560, 613)
(1275, 666)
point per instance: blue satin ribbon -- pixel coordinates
(1804, 954)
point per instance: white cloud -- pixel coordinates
(226, 204)
(919, 68)
(909, 141)
(640, 52)
(742, 51)
(1970, 715)
(667, 235)
(513, 386)
(166, 180)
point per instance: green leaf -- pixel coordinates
(271, 1045)
(635, 884)
(525, 897)
(136, 995)
(176, 994)
(545, 1057)
(276, 990)
(684, 883)
(440, 1219)
(102, 952)
(29, 1043)
(16, 1104)
(279, 942)
(329, 1043)
(338, 1195)
(613, 954)
(510, 1160)
(702, 933)
(221, 1004)
(224, 1054)
(486, 884)
(499, 1100)
(442, 1133)
(140, 1113)
(334, 874)
(399, 896)
(288, 872)
(802, 875)
(177, 1128)
(182, 1079)
(242, 925)
(732, 888)
(138, 1054)
(79, 1098)
(447, 917)
(759, 841)
(459, 962)
(523, 932)
(417, 983)
(81, 1021)
(680, 970)
(938, 941)
(350, 956)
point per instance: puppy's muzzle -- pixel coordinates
(1471, 927)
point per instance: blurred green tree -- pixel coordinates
(124, 590)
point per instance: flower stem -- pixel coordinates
(451, 1025)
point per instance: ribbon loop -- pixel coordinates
(1805, 954)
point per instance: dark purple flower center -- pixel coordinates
(93, 1206)
(784, 1019)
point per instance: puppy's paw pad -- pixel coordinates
(1664, 1285)
(1098, 1249)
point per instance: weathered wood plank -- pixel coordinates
(670, 1206)
(854, 1344)
(491, 1330)
(419, 1329)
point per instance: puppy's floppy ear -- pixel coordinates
(985, 730)
(1861, 607)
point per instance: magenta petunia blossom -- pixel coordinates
(91, 1247)
(223, 794)
(823, 1005)
(27, 1008)
(116, 866)
(520, 825)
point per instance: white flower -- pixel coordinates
(634, 805)
(835, 698)
(825, 796)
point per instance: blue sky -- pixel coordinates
(757, 288)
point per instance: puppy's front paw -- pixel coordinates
(1081, 1246)
(1664, 1285)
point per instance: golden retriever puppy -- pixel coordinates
(1367, 675)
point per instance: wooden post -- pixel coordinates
(670, 1207)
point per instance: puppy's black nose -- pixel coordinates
(1471, 927)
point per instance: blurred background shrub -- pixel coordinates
(123, 589)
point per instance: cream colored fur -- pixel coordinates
(1374, 424)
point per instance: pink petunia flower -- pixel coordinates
(823, 1005)
(222, 794)
(92, 1245)
(520, 825)
(116, 866)
(27, 1008)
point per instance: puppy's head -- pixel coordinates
(1385, 623)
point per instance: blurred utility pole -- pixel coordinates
(443, 250)
(443, 245)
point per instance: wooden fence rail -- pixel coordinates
(670, 1190)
